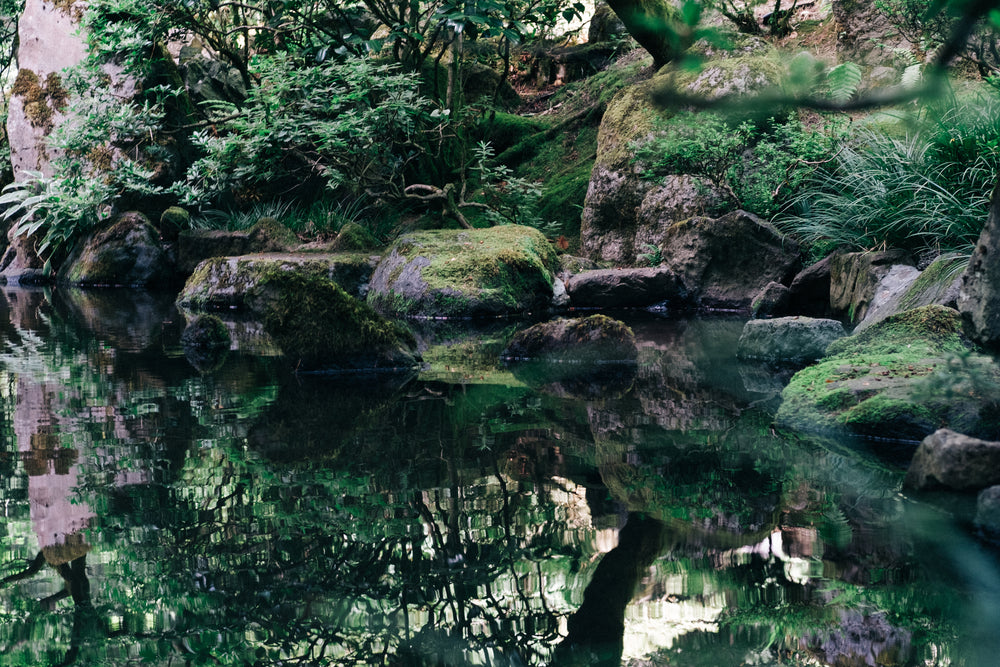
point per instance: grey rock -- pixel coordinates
(888, 294)
(625, 288)
(227, 283)
(854, 279)
(790, 339)
(979, 297)
(809, 293)
(725, 262)
(954, 461)
(905, 288)
(772, 301)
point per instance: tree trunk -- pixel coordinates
(655, 25)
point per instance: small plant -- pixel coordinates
(653, 255)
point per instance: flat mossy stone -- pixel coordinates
(226, 283)
(900, 379)
(491, 272)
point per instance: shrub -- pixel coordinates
(761, 165)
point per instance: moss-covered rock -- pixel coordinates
(597, 338)
(128, 252)
(465, 273)
(355, 237)
(228, 283)
(901, 378)
(612, 228)
(318, 326)
(172, 221)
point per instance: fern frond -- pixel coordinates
(842, 81)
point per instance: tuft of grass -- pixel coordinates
(927, 191)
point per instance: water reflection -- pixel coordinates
(471, 514)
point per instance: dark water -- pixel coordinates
(468, 515)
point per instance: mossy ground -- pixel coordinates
(900, 379)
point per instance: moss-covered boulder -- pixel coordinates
(228, 283)
(491, 272)
(129, 252)
(318, 326)
(624, 211)
(901, 379)
(905, 288)
(855, 278)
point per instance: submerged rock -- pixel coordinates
(954, 461)
(499, 271)
(597, 338)
(584, 358)
(902, 378)
(129, 252)
(988, 510)
(789, 339)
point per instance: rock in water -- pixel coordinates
(954, 461)
(789, 339)
(499, 271)
(129, 252)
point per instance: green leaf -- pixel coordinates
(843, 81)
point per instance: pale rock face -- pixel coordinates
(48, 43)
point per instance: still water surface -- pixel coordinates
(471, 514)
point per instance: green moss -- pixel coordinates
(504, 130)
(40, 101)
(313, 320)
(486, 270)
(353, 236)
(935, 278)
(897, 379)
(206, 331)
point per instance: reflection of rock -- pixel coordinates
(988, 510)
(206, 341)
(862, 639)
(129, 320)
(568, 379)
(315, 418)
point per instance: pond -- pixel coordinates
(470, 514)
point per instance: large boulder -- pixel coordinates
(623, 212)
(900, 379)
(946, 459)
(979, 297)
(231, 283)
(905, 288)
(788, 339)
(809, 293)
(855, 279)
(625, 288)
(597, 338)
(491, 272)
(865, 34)
(725, 262)
(129, 252)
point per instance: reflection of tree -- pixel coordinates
(597, 628)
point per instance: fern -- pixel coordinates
(912, 76)
(842, 81)
(653, 255)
